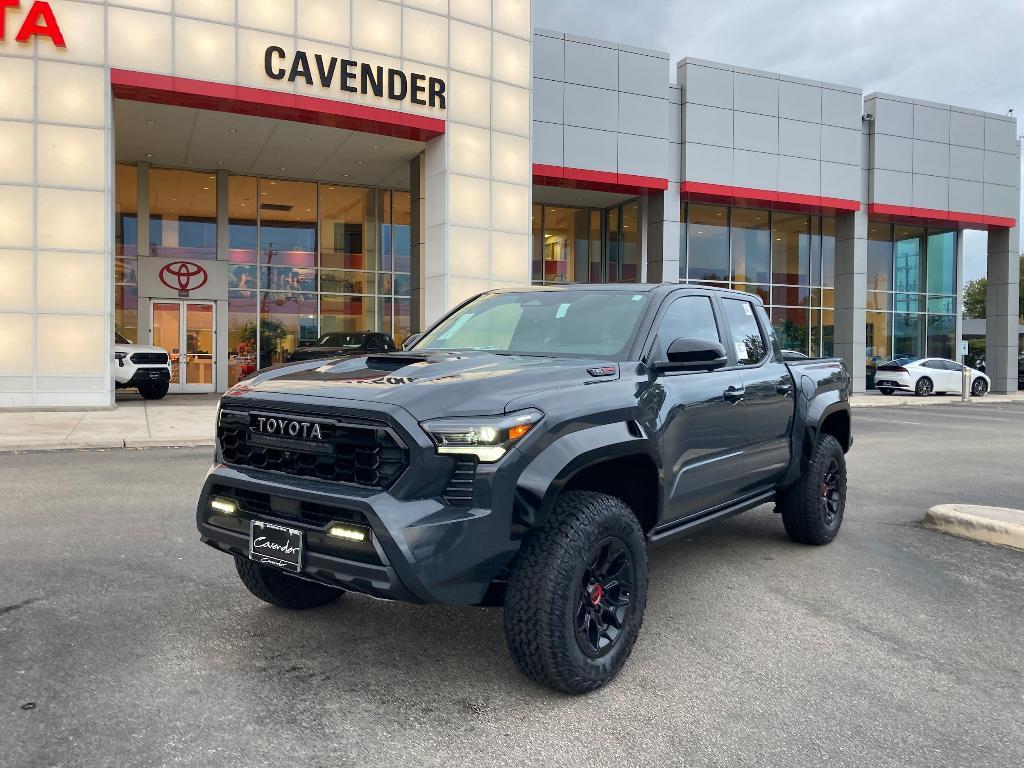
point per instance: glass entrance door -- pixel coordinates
(186, 330)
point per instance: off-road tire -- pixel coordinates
(805, 513)
(282, 589)
(154, 391)
(542, 602)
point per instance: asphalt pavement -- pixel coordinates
(125, 642)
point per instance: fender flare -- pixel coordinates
(550, 470)
(810, 421)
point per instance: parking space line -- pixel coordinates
(890, 421)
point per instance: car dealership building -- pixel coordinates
(229, 180)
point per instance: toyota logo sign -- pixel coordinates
(183, 276)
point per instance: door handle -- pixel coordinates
(783, 387)
(734, 394)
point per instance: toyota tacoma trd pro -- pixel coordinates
(524, 452)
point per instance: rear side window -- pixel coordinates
(747, 338)
(687, 316)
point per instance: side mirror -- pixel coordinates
(411, 341)
(692, 354)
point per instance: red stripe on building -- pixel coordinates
(724, 193)
(938, 216)
(601, 181)
(259, 102)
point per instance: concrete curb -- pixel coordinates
(992, 525)
(110, 445)
(911, 401)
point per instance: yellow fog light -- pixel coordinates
(347, 532)
(224, 506)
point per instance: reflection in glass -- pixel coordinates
(828, 251)
(942, 336)
(909, 259)
(879, 276)
(941, 261)
(347, 313)
(791, 249)
(707, 244)
(347, 233)
(126, 311)
(877, 336)
(792, 328)
(243, 211)
(242, 325)
(751, 246)
(182, 214)
(908, 334)
(287, 321)
(287, 223)
(567, 244)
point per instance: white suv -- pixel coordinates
(136, 365)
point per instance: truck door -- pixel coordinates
(697, 416)
(768, 387)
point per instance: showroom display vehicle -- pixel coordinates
(524, 452)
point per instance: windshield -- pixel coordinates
(547, 323)
(352, 340)
(119, 339)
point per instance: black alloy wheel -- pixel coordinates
(924, 387)
(603, 603)
(979, 388)
(831, 494)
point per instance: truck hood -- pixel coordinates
(431, 384)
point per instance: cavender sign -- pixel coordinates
(354, 77)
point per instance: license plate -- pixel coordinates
(275, 545)
(154, 375)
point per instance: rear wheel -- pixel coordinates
(885, 390)
(576, 595)
(154, 390)
(812, 508)
(979, 388)
(284, 590)
(924, 387)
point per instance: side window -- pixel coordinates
(687, 316)
(747, 338)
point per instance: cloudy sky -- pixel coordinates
(953, 51)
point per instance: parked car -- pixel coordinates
(345, 344)
(927, 376)
(524, 452)
(137, 365)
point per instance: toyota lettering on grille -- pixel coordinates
(283, 427)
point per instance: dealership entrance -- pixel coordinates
(188, 331)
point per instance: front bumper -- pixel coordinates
(147, 375)
(420, 550)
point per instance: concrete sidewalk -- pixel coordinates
(187, 420)
(176, 420)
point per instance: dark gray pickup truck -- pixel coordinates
(524, 452)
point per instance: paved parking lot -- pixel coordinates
(894, 646)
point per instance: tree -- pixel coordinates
(974, 298)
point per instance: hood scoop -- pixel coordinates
(398, 360)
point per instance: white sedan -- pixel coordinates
(927, 376)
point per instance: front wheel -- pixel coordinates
(885, 390)
(979, 388)
(284, 590)
(576, 594)
(924, 387)
(812, 508)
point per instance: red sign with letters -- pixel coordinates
(183, 276)
(39, 22)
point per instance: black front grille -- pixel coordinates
(360, 453)
(149, 358)
(459, 492)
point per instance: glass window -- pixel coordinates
(348, 313)
(908, 334)
(878, 347)
(791, 249)
(941, 336)
(879, 277)
(751, 246)
(791, 295)
(941, 261)
(242, 325)
(126, 262)
(828, 251)
(747, 338)
(396, 232)
(287, 227)
(243, 211)
(626, 268)
(763, 291)
(689, 317)
(792, 328)
(287, 321)
(126, 311)
(707, 242)
(346, 228)
(823, 337)
(909, 259)
(908, 302)
(566, 244)
(182, 214)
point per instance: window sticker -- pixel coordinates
(637, 297)
(562, 309)
(741, 350)
(746, 308)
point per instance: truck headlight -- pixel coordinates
(486, 437)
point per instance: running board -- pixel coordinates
(689, 523)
